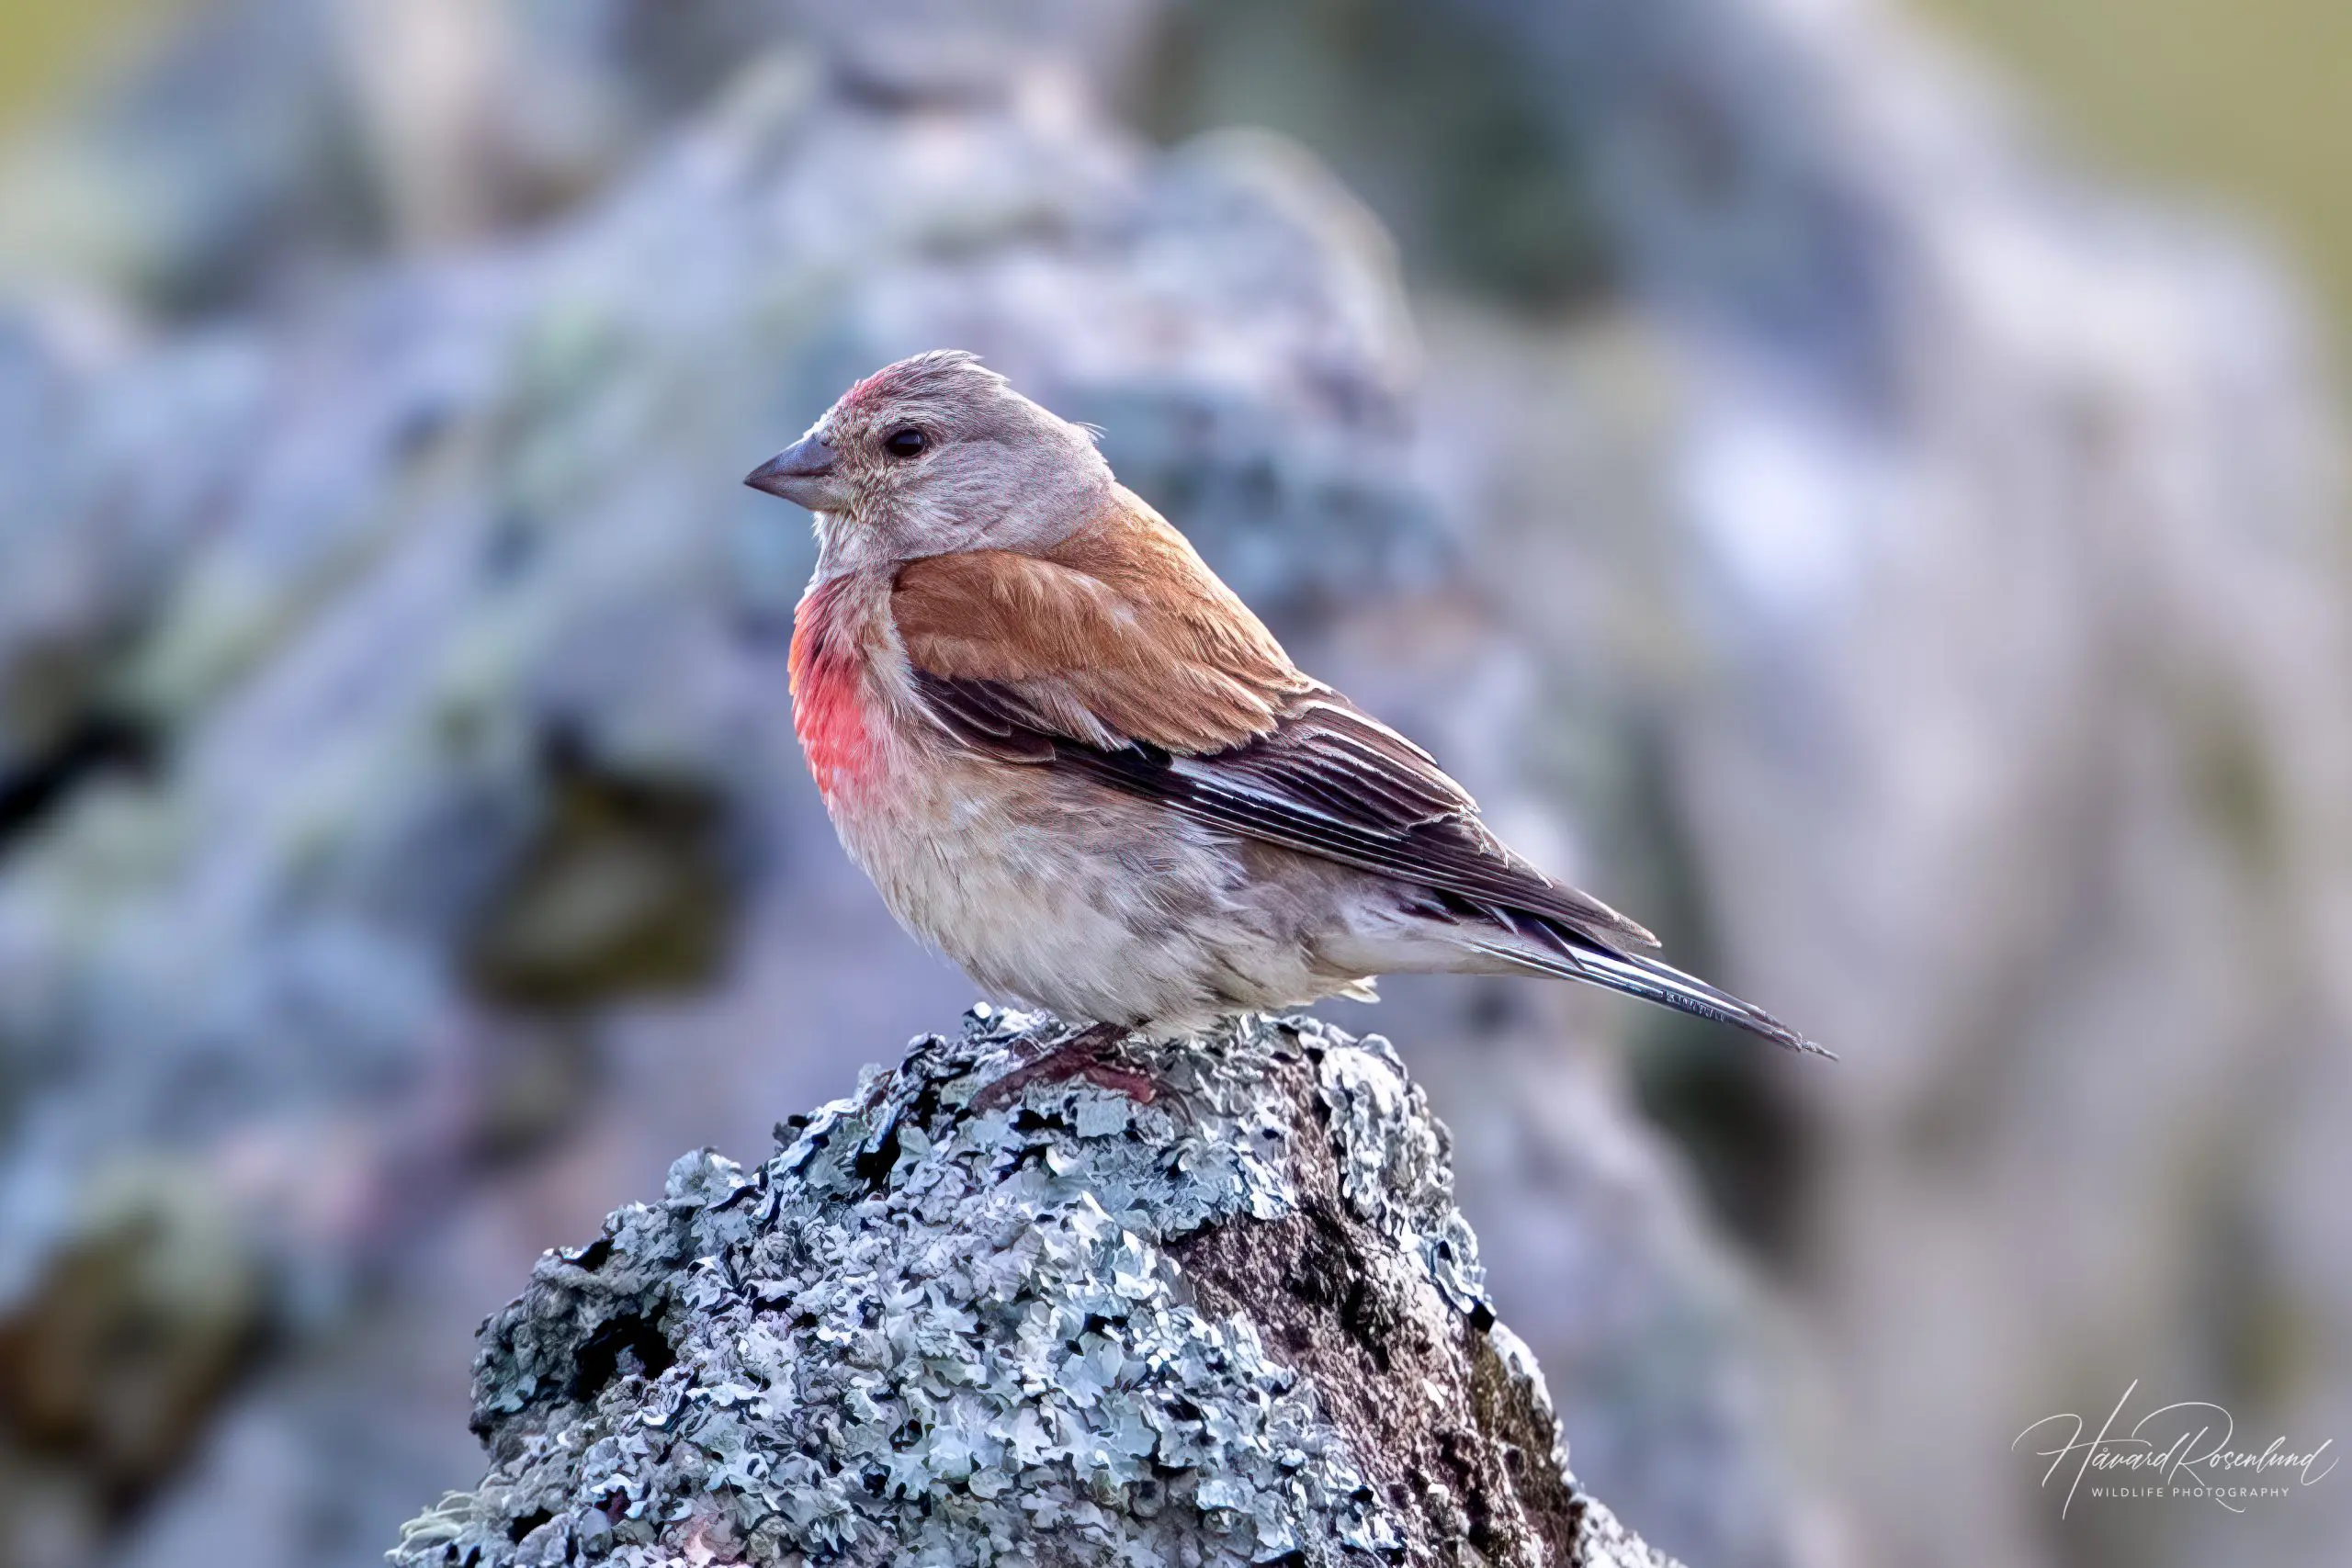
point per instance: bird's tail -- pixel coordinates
(1575, 959)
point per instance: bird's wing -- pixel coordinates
(1123, 659)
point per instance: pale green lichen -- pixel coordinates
(928, 1331)
(1395, 1169)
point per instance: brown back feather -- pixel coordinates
(1122, 633)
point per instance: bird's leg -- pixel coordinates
(1081, 1056)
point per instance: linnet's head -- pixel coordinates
(932, 456)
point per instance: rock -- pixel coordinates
(1243, 1321)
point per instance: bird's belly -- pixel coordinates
(1074, 899)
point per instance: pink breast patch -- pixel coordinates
(828, 690)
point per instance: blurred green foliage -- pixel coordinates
(49, 47)
(2245, 101)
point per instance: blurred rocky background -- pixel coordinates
(1904, 566)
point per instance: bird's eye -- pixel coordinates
(906, 443)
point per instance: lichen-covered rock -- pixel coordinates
(1239, 1323)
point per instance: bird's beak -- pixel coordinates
(806, 473)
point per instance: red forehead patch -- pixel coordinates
(924, 371)
(881, 384)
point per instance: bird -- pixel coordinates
(1076, 764)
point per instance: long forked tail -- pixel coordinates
(1653, 982)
